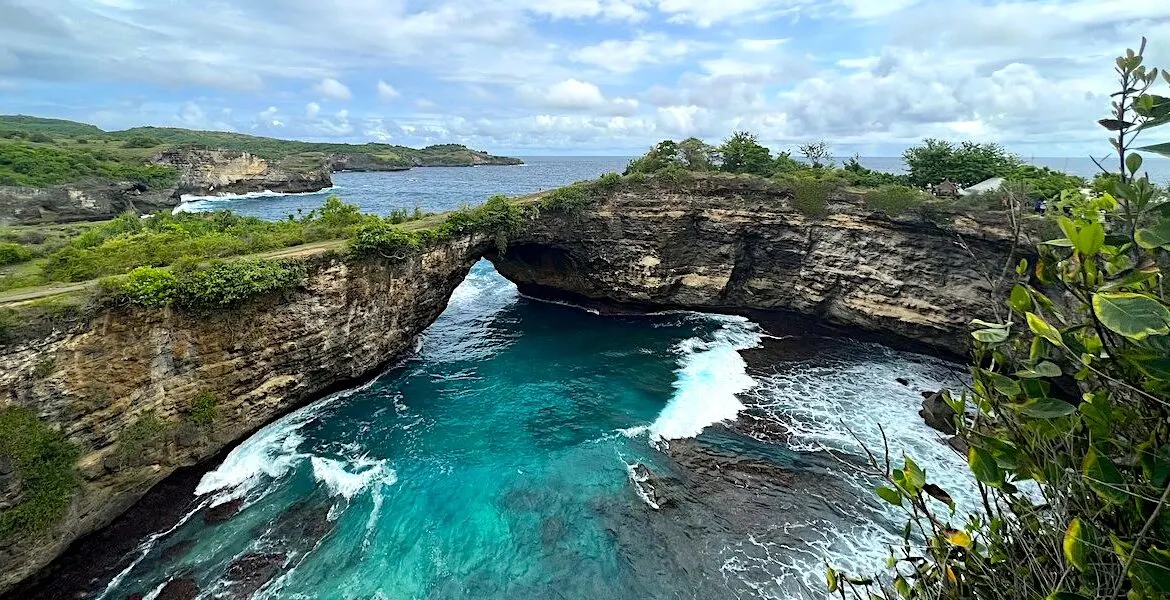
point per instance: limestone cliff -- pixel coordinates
(723, 244)
(728, 244)
(82, 201)
(102, 378)
(218, 172)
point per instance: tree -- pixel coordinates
(1067, 418)
(743, 154)
(817, 154)
(698, 155)
(662, 155)
(965, 164)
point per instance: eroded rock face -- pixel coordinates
(85, 201)
(716, 246)
(259, 360)
(218, 172)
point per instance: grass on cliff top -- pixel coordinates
(38, 164)
(139, 143)
(81, 253)
(44, 462)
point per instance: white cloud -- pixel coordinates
(386, 91)
(625, 56)
(332, 89)
(312, 109)
(572, 94)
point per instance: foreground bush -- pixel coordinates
(1067, 419)
(215, 285)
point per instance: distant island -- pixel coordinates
(59, 170)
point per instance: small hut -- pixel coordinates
(946, 189)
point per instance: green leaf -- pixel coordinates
(1003, 384)
(1065, 596)
(1021, 300)
(1045, 408)
(915, 477)
(1044, 369)
(890, 495)
(1154, 237)
(1135, 316)
(831, 580)
(1090, 239)
(1163, 149)
(990, 336)
(1104, 477)
(983, 466)
(1133, 162)
(1076, 548)
(1154, 368)
(1060, 242)
(1041, 328)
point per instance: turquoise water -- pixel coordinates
(532, 450)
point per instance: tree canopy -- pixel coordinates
(966, 163)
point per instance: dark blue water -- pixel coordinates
(533, 450)
(433, 189)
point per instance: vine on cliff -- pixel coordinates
(1068, 416)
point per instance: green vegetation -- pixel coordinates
(128, 242)
(44, 461)
(498, 217)
(215, 285)
(895, 200)
(10, 253)
(811, 196)
(966, 164)
(64, 134)
(204, 410)
(135, 439)
(1067, 418)
(26, 164)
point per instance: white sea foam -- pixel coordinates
(828, 404)
(342, 481)
(640, 485)
(270, 453)
(711, 376)
(197, 203)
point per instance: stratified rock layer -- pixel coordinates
(258, 360)
(726, 244)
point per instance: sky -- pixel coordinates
(588, 77)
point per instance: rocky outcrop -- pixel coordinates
(83, 201)
(119, 368)
(365, 162)
(735, 244)
(219, 172)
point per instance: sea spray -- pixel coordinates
(711, 376)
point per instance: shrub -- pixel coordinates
(204, 410)
(141, 141)
(149, 286)
(570, 198)
(811, 196)
(134, 440)
(224, 284)
(1067, 416)
(11, 254)
(894, 200)
(386, 240)
(44, 459)
(39, 138)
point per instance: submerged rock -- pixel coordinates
(251, 572)
(222, 512)
(182, 588)
(938, 414)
